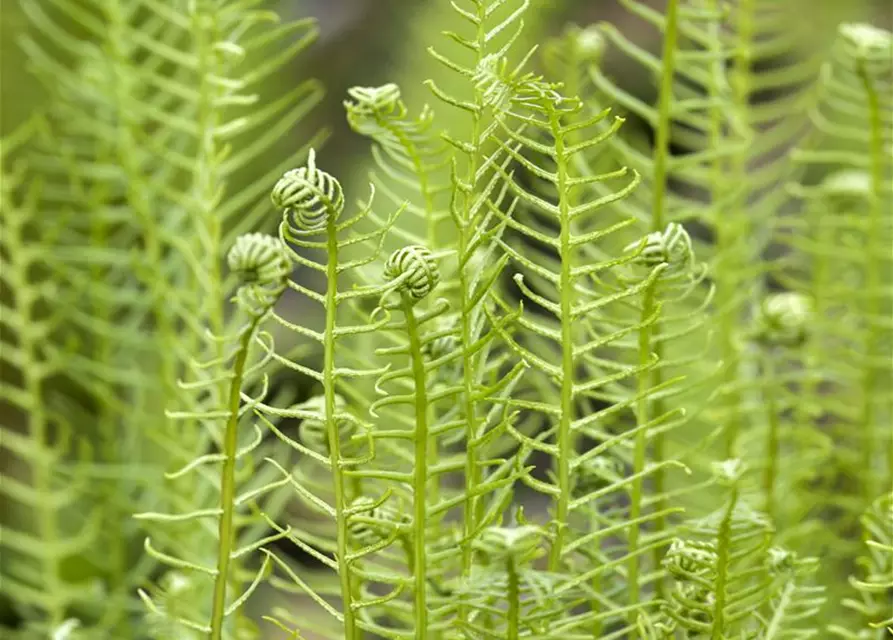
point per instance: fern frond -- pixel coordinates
(40, 530)
(873, 606)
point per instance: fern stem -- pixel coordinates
(513, 632)
(664, 105)
(658, 222)
(874, 283)
(740, 365)
(773, 435)
(473, 505)
(351, 630)
(420, 471)
(565, 438)
(643, 414)
(723, 558)
(226, 530)
(727, 266)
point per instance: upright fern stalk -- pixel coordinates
(415, 273)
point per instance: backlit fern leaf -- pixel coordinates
(40, 530)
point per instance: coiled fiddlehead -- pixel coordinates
(262, 265)
(784, 318)
(414, 270)
(515, 545)
(373, 521)
(688, 558)
(672, 247)
(371, 104)
(309, 196)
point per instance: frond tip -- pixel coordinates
(263, 265)
(517, 544)
(672, 247)
(784, 318)
(415, 270)
(370, 102)
(311, 196)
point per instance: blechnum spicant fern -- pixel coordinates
(549, 378)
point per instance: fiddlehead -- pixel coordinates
(262, 266)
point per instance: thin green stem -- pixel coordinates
(741, 226)
(664, 117)
(420, 471)
(874, 283)
(565, 438)
(643, 414)
(723, 557)
(351, 630)
(773, 435)
(473, 505)
(658, 222)
(513, 632)
(226, 529)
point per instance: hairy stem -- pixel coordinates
(420, 471)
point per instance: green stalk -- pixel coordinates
(473, 508)
(772, 438)
(728, 265)
(565, 438)
(740, 82)
(420, 471)
(514, 601)
(351, 630)
(658, 222)
(723, 555)
(226, 530)
(873, 308)
(643, 414)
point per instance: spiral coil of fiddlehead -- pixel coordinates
(372, 105)
(373, 521)
(689, 558)
(516, 543)
(313, 430)
(671, 247)
(415, 268)
(784, 318)
(780, 560)
(309, 196)
(263, 265)
(867, 42)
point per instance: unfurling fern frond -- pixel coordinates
(334, 442)
(151, 143)
(718, 568)
(838, 259)
(411, 162)
(875, 583)
(262, 266)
